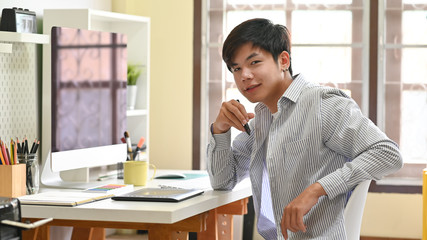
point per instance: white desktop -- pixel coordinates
(84, 105)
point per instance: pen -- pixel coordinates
(246, 126)
(127, 137)
(139, 146)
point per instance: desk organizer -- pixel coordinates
(12, 180)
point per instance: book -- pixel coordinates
(111, 189)
(62, 198)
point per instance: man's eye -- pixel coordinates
(254, 62)
(235, 69)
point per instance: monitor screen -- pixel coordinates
(88, 98)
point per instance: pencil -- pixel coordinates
(7, 158)
(3, 149)
(12, 152)
(32, 146)
(1, 156)
(16, 153)
(37, 145)
(26, 145)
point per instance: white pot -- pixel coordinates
(131, 96)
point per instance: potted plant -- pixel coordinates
(133, 73)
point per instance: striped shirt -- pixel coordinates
(319, 135)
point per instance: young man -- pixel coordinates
(308, 145)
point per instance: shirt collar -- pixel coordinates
(295, 88)
(292, 93)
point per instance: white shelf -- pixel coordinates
(116, 17)
(24, 37)
(136, 112)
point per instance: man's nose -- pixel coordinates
(247, 74)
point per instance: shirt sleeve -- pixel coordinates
(227, 165)
(345, 130)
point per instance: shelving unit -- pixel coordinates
(136, 28)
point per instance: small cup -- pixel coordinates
(136, 172)
(32, 172)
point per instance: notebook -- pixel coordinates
(62, 198)
(159, 195)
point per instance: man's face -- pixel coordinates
(258, 77)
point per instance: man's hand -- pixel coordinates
(294, 212)
(231, 114)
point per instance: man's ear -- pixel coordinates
(284, 60)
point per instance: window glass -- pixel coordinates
(234, 18)
(321, 26)
(254, 2)
(323, 2)
(411, 34)
(414, 127)
(414, 65)
(323, 64)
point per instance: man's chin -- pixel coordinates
(252, 100)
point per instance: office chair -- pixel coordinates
(353, 211)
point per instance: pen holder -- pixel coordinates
(32, 172)
(12, 180)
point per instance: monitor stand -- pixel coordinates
(51, 179)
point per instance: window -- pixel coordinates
(337, 54)
(403, 81)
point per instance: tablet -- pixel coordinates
(158, 195)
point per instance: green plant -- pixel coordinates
(133, 73)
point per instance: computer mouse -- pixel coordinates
(174, 175)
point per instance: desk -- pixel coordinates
(200, 214)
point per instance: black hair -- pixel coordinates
(273, 38)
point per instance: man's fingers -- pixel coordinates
(236, 113)
(233, 120)
(299, 221)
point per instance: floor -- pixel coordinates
(125, 234)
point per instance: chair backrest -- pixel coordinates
(353, 211)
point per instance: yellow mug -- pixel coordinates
(136, 172)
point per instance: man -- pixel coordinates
(308, 145)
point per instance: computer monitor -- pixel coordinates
(84, 114)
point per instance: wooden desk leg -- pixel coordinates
(178, 235)
(225, 226)
(211, 232)
(220, 221)
(30, 234)
(88, 233)
(40, 233)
